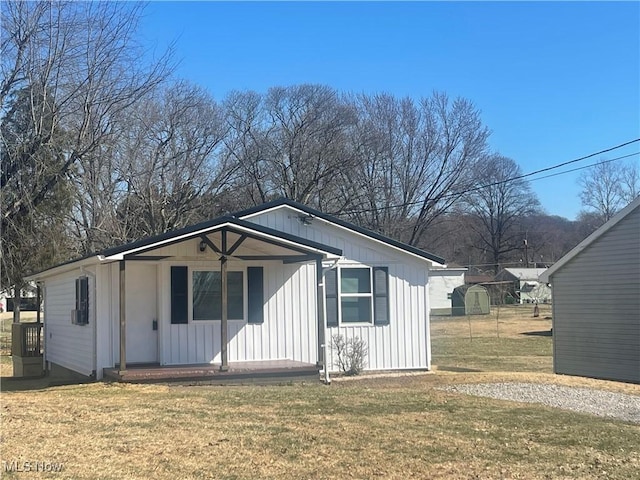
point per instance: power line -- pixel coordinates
(519, 177)
(585, 166)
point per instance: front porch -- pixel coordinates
(267, 371)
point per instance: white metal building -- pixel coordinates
(293, 277)
(527, 286)
(442, 283)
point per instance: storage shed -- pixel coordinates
(470, 300)
(596, 302)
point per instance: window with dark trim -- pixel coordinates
(357, 295)
(81, 312)
(205, 295)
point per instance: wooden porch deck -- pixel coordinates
(256, 372)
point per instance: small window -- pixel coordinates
(207, 295)
(80, 316)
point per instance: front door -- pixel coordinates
(142, 310)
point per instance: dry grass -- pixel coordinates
(509, 339)
(371, 427)
(6, 318)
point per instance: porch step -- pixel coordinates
(275, 371)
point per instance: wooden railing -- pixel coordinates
(26, 339)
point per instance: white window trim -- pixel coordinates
(341, 295)
(245, 294)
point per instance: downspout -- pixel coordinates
(325, 343)
(39, 320)
(83, 271)
(122, 315)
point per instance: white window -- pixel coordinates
(356, 299)
(357, 295)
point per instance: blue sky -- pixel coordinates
(554, 81)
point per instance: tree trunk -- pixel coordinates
(16, 304)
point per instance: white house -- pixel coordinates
(442, 283)
(293, 278)
(596, 302)
(526, 284)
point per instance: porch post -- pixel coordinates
(38, 301)
(225, 313)
(123, 322)
(320, 313)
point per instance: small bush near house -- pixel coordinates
(350, 354)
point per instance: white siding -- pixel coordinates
(596, 305)
(405, 342)
(441, 285)
(104, 350)
(66, 344)
(288, 332)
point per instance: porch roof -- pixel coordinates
(283, 244)
(241, 233)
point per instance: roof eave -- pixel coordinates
(432, 259)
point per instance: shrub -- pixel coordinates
(350, 354)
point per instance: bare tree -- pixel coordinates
(414, 159)
(607, 187)
(68, 70)
(498, 207)
(246, 147)
(629, 182)
(172, 161)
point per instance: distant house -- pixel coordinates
(28, 299)
(526, 286)
(442, 283)
(475, 279)
(293, 278)
(596, 302)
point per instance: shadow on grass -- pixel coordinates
(22, 384)
(446, 368)
(541, 333)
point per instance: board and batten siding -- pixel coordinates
(596, 306)
(405, 342)
(68, 345)
(288, 331)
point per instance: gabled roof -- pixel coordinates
(282, 202)
(211, 225)
(522, 273)
(590, 239)
(258, 231)
(237, 221)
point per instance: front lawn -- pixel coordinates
(399, 426)
(377, 428)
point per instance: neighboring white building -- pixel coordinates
(442, 283)
(295, 277)
(526, 284)
(28, 297)
(596, 302)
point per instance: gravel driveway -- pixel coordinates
(621, 406)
